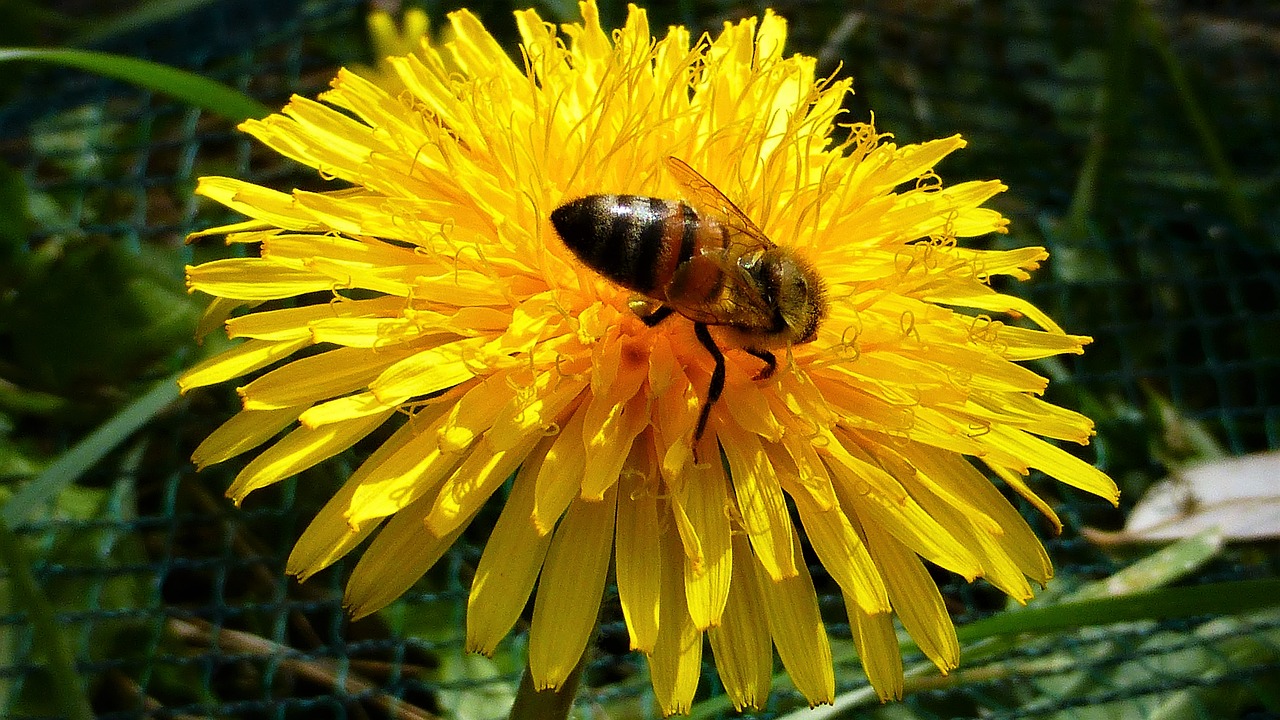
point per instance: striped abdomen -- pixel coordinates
(635, 241)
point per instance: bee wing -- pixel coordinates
(708, 200)
(737, 297)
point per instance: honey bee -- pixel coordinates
(705, 260)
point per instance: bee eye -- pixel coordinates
(791, 285)
(774, 282)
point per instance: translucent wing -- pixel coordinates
(739, 302)
(707, 199)
(736, 302)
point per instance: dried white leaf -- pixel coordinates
(1240, 496)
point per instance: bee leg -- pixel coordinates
(717, 382)
(662, 313)
(770, 363)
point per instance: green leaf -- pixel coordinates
(185, 86)
(144, 16)
(1226, 598)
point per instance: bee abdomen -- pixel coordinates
(633, 240)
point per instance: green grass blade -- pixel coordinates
(48, 638)
(1111, 107)
(74, 462)
(1161, 568)
(188, 87)
(1205, 132)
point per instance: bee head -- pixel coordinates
(797, 294)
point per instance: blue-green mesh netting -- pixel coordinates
(175, 604)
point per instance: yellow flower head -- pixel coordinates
(388, 39)
(432, 291)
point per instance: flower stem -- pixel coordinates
(532, 704)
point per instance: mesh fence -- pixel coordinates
(175, 603)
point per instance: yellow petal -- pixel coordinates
(1031, 414)
(982, 297)
(248, 231)
(1055, 462)
(843, 554)
(760, 502)
(400, 553)
(920, 214)
(255, 279)
(376, 333)
(425, 372)
(877, 497)
(329, 536)
(560, 479)
(998, 568)
(911, 161)
(771, 38)
(317, 377)
(215, 316)
(535, 409)
(1018, 345)
(676, 660)
(791, 606)
(364, 214)
(265, 204)
(703, 500)
(345, 408)
(972, 222)
(475, 50)
(295, 323)
(615, 415)
(317, 135)
(607, 446)
(415, 469)
(461, 288)
(299, 450)
(675, 412)
(881, 450)
(878, 649)
(808, 471)
(916, 598)
(638, 561)
(749, 407)
(474, 481)
(1016, 262)
(245, 430)
(1015, 481)
(742, 645)
(512, 557)
(1016, 536)
(239, 360)
(569, 592)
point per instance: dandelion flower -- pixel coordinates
(387, 39)
(430, 291)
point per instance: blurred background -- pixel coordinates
(1140, 143)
